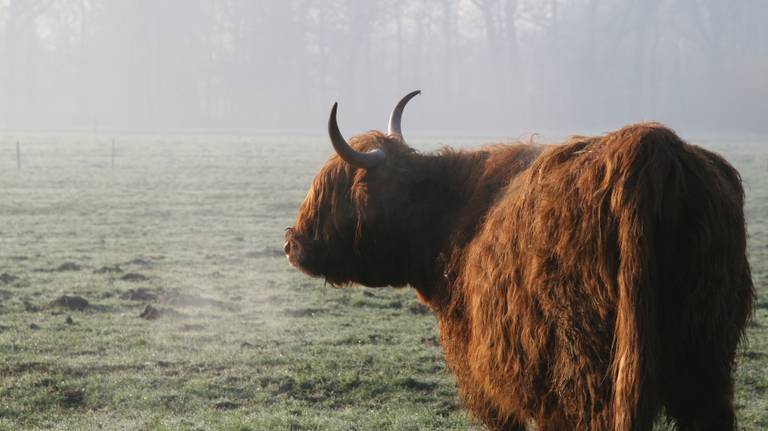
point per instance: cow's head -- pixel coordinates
(350, 227)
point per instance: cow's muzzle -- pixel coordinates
(291, 246)
(302, 253)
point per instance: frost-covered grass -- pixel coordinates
(235, 338)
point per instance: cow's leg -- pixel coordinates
(511, 424)
(721, 419)
(553, 426)
(716, 418)
(699, 397)
(554, 419)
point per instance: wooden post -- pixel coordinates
(113, 153)
(18, 155)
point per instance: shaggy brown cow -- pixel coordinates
(587, 285)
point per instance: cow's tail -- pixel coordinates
(684, 290)
(643, 164)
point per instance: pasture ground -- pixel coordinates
(193, 318)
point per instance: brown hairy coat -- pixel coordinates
(587, 285)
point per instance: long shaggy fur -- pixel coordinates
(587, 285)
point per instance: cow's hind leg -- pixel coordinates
(699, 397)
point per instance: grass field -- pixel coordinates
(194, 320)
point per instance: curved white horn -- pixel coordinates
(355, 158)
(397, 113)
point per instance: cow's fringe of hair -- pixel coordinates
(408, 213)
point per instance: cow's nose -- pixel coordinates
(288, 240)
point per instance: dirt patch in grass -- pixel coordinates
(30, 307)
(140, 261)
(281, 385)
(226, 405)
(417, 385)
(71, 302)
(140, 294)
(72, 398)
(152, 313)
(134, 277)
(305, 312)
(6, 278)
(64, 267)
(113, 269)
(68, 266)
(446, 408)
(375, 303)
(26, 367)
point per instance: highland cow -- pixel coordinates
(584, 286)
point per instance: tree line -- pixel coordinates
(484, 64)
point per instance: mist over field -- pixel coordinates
(485, 66)
(152, 153)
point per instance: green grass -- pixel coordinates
(242, 341)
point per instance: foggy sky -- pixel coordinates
(485, 66)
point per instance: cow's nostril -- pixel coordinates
(287, 247)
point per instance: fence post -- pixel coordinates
(18, 155)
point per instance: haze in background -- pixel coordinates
(485, 66)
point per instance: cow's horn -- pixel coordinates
(397, 113)
(355, 158)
